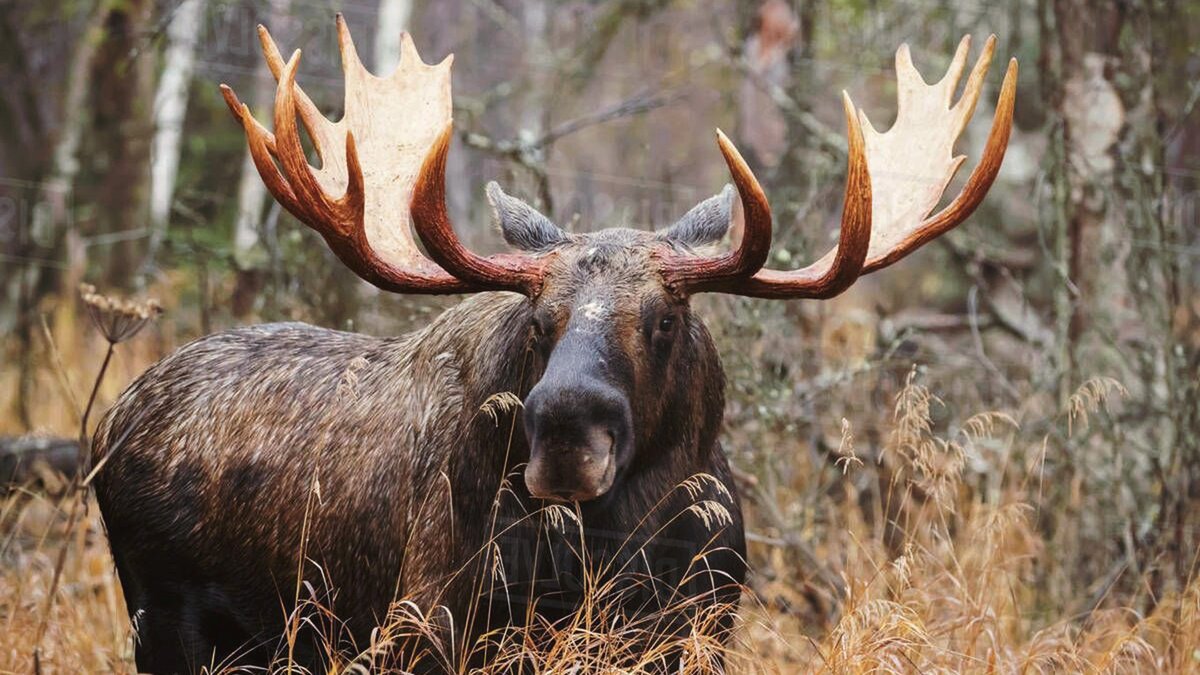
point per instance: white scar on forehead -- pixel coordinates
(594, 310)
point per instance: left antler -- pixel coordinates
(894, 181)
(375, 158)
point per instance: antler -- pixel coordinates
(894, 181)
(373, 157)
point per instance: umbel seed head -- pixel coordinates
(118, 319)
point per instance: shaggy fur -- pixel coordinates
(249, 456)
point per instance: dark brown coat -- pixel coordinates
(375, 460)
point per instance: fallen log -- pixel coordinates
(37, 461)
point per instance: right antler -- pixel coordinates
(894, 181)
(373, 157)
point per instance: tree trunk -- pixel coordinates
(1158, 283)
(394, 18)
(170, 108)
(249, 254)
(123, 81)
(1124, 280)
(43, 245)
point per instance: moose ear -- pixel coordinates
(521, 224)
(708, 221)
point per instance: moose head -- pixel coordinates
(611, 323)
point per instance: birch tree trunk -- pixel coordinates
(249, 255)
(394, 18)
(536, 22)
(170, 108)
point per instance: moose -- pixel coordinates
(415, 473)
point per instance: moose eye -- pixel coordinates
(543, 329)
(666, 324)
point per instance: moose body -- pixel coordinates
(386, 480)
(246, 453)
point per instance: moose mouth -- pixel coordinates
(576, 474)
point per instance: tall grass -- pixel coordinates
(953, 588)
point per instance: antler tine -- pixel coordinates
(295, 165)
(325, 134)
(352, 65)
(242, 112)
(965, 107)
(955, 71)
(840, 268)
(432, 223)
(886, 212)
(262, 149)
(756, 210)
(690, 274)
(854, 239)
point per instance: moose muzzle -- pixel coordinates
(579, 431)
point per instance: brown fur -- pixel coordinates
(222, 454)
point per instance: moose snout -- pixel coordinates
(577, 435)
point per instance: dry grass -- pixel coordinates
(88, 629)
(960, 597)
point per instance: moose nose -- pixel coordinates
(576, 433)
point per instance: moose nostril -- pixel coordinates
(601, 439)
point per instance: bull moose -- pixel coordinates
(256, 461)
